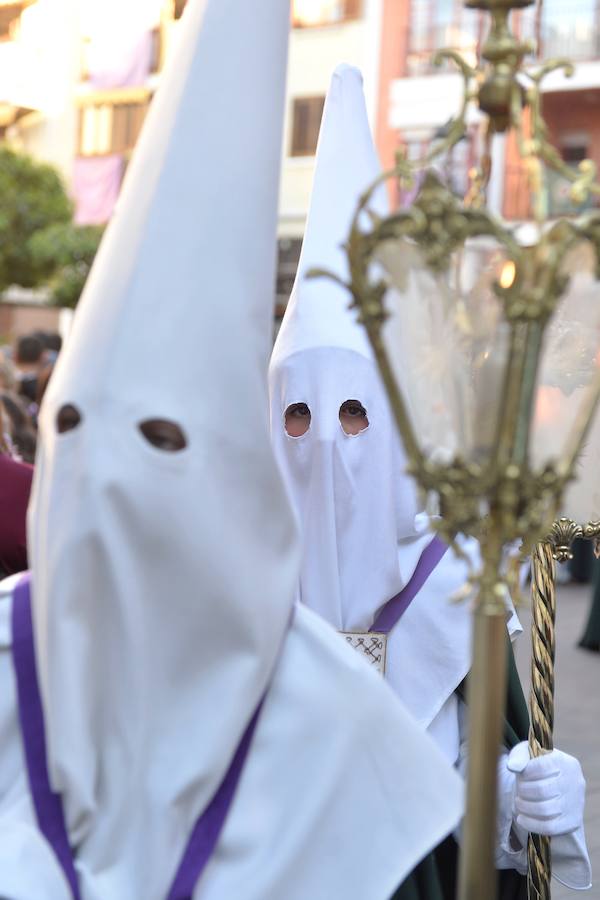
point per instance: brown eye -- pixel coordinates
(163, 435)
(297, 419)
(67, 418)
(353, 417)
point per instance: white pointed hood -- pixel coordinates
(317, 312)
(362, 535)
(155, 629)
(363, 531)
(163, 579)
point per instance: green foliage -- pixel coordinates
(63, 254)
(32, 197)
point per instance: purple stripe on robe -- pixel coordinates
(394, 609)
(47, 804)
(205, 835)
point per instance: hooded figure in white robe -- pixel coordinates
(366, 540)
(189, 712)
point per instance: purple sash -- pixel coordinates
(48, 805)
(391, 613)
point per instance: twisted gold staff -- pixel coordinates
(542, 700)
(556, 547)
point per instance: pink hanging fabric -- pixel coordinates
(122, 61)
(116, 59)
(96, 185)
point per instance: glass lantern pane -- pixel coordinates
(569, 363)
(582, 498)
(448, 343)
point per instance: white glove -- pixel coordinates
(511, 841)
(550, 791)
(549, 798)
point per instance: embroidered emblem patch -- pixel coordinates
(372, 645)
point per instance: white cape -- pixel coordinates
(374, 820)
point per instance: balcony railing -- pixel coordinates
(556, 197)
(566, 29)
(111, 121)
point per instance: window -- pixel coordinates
(569, 28)
(288, 256)
(178, 9)
(10, 14)
(435, 24)
(312, 13)
(106, 128)
(306, 121)
(156, 51)
(574, 147)
(562, 28)
(558, 196)
(574, 153)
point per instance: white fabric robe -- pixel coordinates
(321, 806)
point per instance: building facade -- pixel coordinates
(324, 34)
(417, 99)
(109, 56)
(77, 78)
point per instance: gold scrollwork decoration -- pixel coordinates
(562, 534)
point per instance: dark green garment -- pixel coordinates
(591, 635)
(581, 566)
(435, 877)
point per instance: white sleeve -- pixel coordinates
(510, 852)
(511, 841)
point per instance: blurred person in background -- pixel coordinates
(42, 384)
(591, 636)
(15, 487)
(581, 565)
(51, 341)
(5, 439)
(8, 376)
(29, 360)
(36, 355)
(21, 427)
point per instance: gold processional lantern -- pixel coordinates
(488, 342)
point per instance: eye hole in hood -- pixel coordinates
(353, 417)
(67, 418)
(164, 435)
(297, 419)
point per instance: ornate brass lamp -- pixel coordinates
(460, 311)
